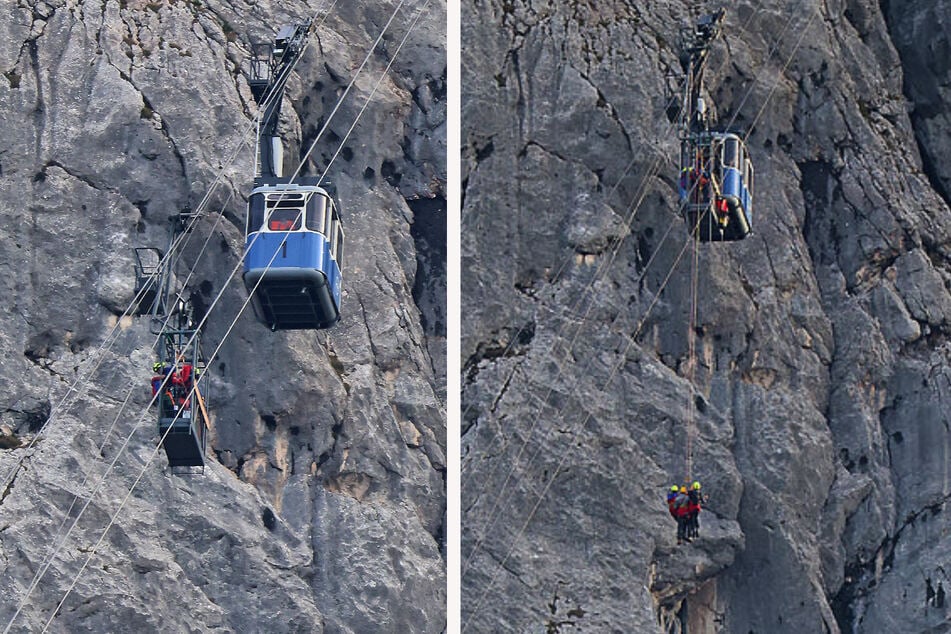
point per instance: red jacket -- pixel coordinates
(183, 375)
(681, 503)
(696, 498)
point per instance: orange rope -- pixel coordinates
(692, 353)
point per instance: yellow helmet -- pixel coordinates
(157, 366)
(675, 488)
(683, 489)
(696, 485)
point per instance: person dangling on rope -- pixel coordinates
(680, 514)
(671, 496)
(695, 501)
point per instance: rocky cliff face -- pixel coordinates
(816, 407)
(322, 505)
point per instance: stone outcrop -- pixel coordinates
(322, 504)
(815, 401)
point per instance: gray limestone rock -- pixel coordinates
(808, 393)
(322, 504)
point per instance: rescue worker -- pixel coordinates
(671, 500)
(182, 383)
(695, 500)
(684, 186)
(167, 402)
(680, 514)
(171, 399)
(160, 373)
(699, 180)
(183, 376)
(694, 183)
(671, 496)
(723, 212)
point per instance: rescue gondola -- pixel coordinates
(177, 392)
(716, 187)
(183, 419)
(715, 183)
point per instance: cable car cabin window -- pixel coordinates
(279, 194)
(284, 220)
(284, 203)
(338, 244)
(332, 240)
(316, 210)
(255, 213)
(749, 177)
(731, 153)
(336, 240)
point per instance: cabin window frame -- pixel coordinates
(296, 224)
(732, 159)
(335, 235)
(257, 213)
(713, 162)
(314, 215)
(338, 244)
(749, 177)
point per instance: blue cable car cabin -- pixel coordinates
(294, 248)
(716, 187)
